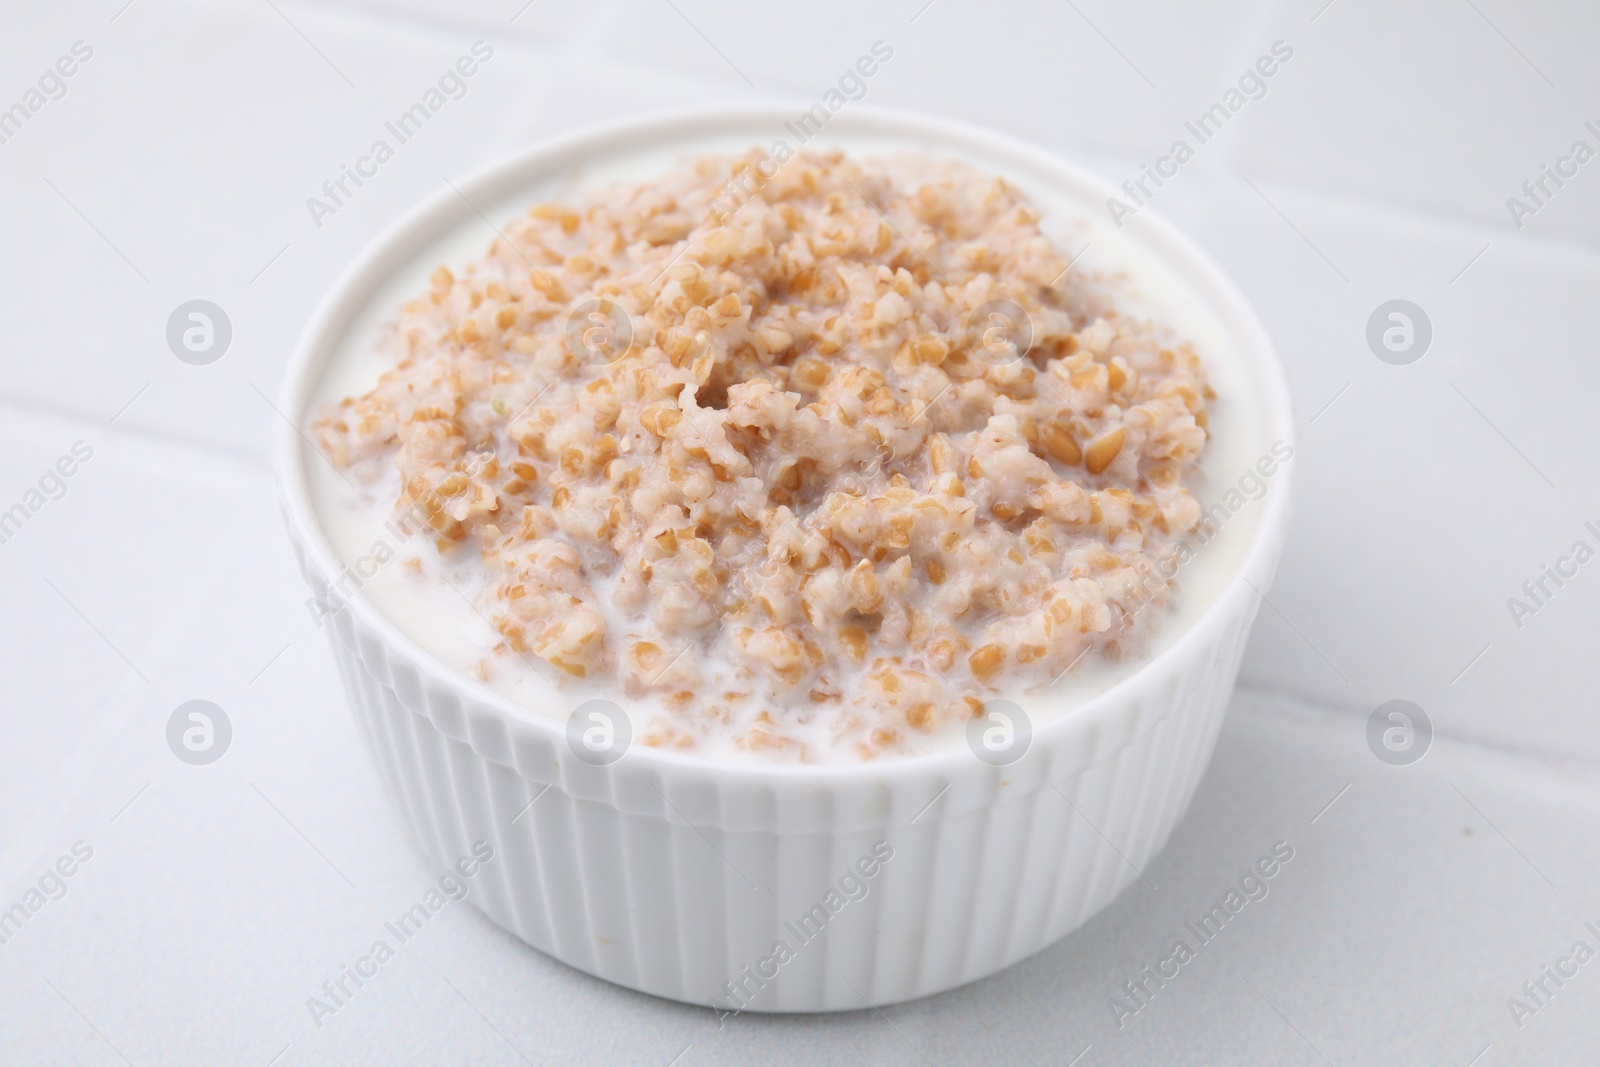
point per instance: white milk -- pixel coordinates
(436, 607)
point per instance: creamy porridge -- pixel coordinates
(807, 476)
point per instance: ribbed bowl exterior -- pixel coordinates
(678, 884)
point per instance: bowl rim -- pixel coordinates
(400, 242)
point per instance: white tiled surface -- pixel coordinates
(1377, 166)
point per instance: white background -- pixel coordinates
(1378, 166)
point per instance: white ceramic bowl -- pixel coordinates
(679, 876)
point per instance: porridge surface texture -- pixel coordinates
(813, 457)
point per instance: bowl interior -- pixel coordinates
(457, 223)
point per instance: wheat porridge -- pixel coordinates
(805, 475)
